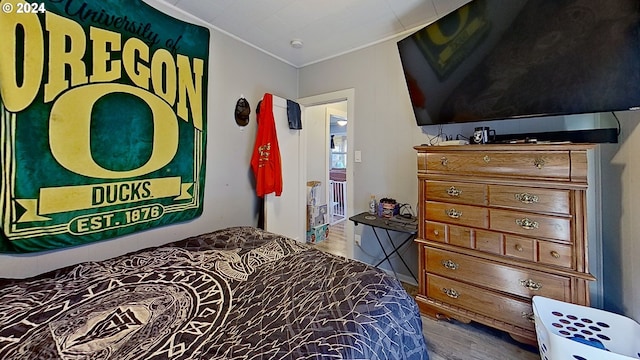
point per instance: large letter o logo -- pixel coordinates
(436, 35)
(70, 131)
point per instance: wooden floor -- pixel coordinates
(450, 340)
(336, 243)
(459, 341)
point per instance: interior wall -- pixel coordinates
(315, 128)
(235, 69)
(621, 206)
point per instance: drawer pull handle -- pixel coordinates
(529, 316)
(449, 264)
(526, 198)
(453, 192)
(531, 285)
(555, 254)
(519, 248)
(453, 213)
(539, 163)
(444, 161)
(527, 224)
(486, 158)
(451, 293)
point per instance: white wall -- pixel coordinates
(621, 223)
(234, 69)
(386, 132)
(315, 127)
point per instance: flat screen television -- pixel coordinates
(497, 59)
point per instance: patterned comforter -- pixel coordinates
(237, 293)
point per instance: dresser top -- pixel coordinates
(507, 147)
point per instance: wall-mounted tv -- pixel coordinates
(496, 59)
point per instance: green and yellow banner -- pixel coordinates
(103, 107)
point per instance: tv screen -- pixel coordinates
(496, 59)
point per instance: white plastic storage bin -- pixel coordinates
(572, 332)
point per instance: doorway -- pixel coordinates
(338, 149)
(340, 103)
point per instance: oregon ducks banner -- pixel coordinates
(103, 110)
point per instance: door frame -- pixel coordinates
(347, 95)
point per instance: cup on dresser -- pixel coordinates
(483, 135)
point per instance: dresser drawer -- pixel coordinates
(487, 303)
(530, 199)
(488, 241)
(500, 277)
(435, 231)
(540, 164)
(457, 214)
(455, 192)
(555, 254)
(519, 247)
(460, 236)
(534, 225)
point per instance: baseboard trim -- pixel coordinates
(402, 277)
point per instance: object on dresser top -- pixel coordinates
(452, 142)
(483, 135)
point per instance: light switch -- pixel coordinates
(357, 156)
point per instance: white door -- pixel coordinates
(316, 130)
(286, 214)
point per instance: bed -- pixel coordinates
(236, 293)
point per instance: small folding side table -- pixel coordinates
(399, 224)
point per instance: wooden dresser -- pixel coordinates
(498, 225)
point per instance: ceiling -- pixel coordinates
(327, 28)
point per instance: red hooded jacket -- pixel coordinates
(265, 161)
